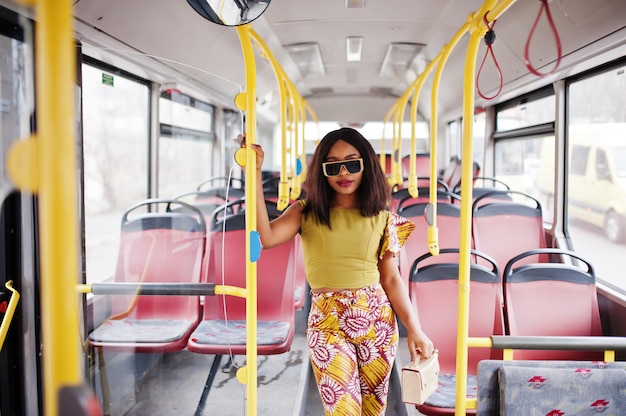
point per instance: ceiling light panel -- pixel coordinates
(398, 58)
(308, 58)
(354, 47)
(350, 4)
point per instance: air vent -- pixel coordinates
(381, 91)
(321, 91)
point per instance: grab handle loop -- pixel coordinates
(490, 38)
(557, 39)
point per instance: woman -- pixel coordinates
(350, 242)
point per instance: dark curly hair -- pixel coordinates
(374, 192)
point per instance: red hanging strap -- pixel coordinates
(490, 38)
(557, 39)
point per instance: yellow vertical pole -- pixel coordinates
(283, 186)
(249, 104)
(297, 144)
(303, 156)
(292, 142)
(469, 75)
(300, 147)
(412, 164)
(382, 157)
(396, 147)
(56, 59)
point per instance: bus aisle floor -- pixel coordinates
(175, 384)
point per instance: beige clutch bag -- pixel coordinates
(420, 379)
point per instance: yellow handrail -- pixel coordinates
(246, 101)
(8, 314)
(396, 143)
(477, 31)
(47, 164)
(293, 110)
(418, 84)
(382, 156)
(283, 199)
(475, 24)
(299, 148)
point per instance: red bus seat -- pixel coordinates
(505, 229)
(223, 326)
(155, 247)
(448, 224)
(453, 172)
(402, 195)
(434, 295)
(222, 190)
(555, 299)
(497, 192)
(422, 166)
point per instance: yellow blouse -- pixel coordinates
(346, 255)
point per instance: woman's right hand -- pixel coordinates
(241, 158)
(260, 155)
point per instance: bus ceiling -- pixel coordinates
(313, 51)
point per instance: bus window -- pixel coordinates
(526, 114)
(527, 164)
(596, 206)
(186, 127)
(115, 145)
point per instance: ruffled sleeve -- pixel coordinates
(397, 231)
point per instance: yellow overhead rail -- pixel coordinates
(476, 25)
(293, 109)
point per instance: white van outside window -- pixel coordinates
(597, 181)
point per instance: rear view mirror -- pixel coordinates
(229, 12)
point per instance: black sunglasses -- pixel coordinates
(333, 168)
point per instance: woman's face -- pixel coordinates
(344, 182)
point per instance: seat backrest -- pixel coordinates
(452, 173)
(213, 193)
(221, 182)
(496, 189)
(422, 165)
(159, 247)
(558, 378)
(434, 294)
(402, 198)
(555, 299)
(448, 225)
(271, 182)
(155, 247)
(225, 264)
(504, 229)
